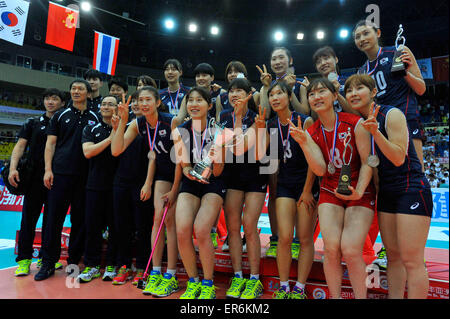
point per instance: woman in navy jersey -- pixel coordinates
(198, 204)
(404, 197)
(296, 191)
(394, 90)
(155, 128)
(173, 96)
(245, 186)
(344, 219)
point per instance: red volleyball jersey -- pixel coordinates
(346, 125)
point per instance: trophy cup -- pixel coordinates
(345, 176)
(222, 137)
(398, 67)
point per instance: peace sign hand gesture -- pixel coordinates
(260, 119)
(371, 124)
(124, 108)
(239, 105)
(297, 132)
(265, 77)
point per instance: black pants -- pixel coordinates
(134, 220)
(99, 215)
(67, 190)
(33, 200)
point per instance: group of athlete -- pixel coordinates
(291, 138)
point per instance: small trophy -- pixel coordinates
(346, 172)
(398, 67)
(222, 137)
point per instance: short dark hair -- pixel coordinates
(53, 91)
(147, 80)
(110, 95)
(356, 79)
(286, 50)
(205, 68)
(364, 23)
(86, 83)
(206, 95)
(323, 51)
(93, 74)
(237, 65)
(119, 82)
(324, 82)
(284, 87)
(173, 62)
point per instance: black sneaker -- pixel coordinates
(44, 273)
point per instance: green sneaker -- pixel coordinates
(281, 294)
(214, 237)
(24, 267)
(272, 251)
(237, 286)
(167, 286)
(295, 250)
(193, 290)
(39, 263)
(298, 293)
(208, 290)
(381, 260)
(253, 289)
(58, 265)
(89, 273)
(153, 281)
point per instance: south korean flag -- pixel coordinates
(13, 20)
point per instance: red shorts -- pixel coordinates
(367, 200)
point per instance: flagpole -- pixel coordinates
(115, 14)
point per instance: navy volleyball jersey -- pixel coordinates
(225, 102)
(245, 166)
(406, 178)
(295, 169)
(392, 90)
(102, 167)
(173, 99)
(133, 164)
(163, 143)
(214, 97)
(337, 106)
(194, 147)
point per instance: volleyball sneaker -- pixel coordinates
(381, 260)
(24, 267)
(167, 286)
(110, 273)
(237, 287)
(139, 275)
(297, 293)
(89, 273)
(214, 237)
(153, 281)
(281, 293)
(123, 276)
(253, 289)
(226, 246)
(193, 290)
(58, 265)
(272, 250)
(208, 290)
(295, 250)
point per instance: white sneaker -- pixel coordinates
(110, 273)
(89, 273)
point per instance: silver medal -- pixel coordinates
(373, 160)
(331, 168)
(151, 155)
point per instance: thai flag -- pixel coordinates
(105, 53)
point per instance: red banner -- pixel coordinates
(440, 69)
(61, 26)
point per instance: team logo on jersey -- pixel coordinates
(68, 120)
(162, 133)
(91, 122)
(342, 135)
(383, 61)
(97, 135)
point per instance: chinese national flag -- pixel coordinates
(61, 26)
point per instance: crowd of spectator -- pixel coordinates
(434, 110)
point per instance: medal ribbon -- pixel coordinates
(151, 144)
(369, 72)
(287, 137)
(174, 105)
(334, 138)
(199, 154)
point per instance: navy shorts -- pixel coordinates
(414, 203)
(257, 185)
(294, 191)
(216, 186)
(415, 129)
(164, 176)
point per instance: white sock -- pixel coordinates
(286, 284)
(171, 271)
(239, 273)
(157, 268)
(299, 285)
(254, 276)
